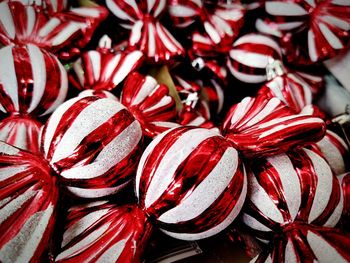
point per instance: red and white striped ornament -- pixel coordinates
(335, 151)
(63, 32)
(250, 55)
(32, 81)
(192, 182)
(104, 232)
(93, 144)
(103, 69)
(220, 22)
(147, 33)
(310, 31)
(22, 132)
(306, 243)
(28, 199)
(150, 103)
(297, 187)
(262, 126)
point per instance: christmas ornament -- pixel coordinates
(93, 144)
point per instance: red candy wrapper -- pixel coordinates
(289, 189)
(93, 144)
(102, 231)
(28, 200)
(191, 182)
(147, 33)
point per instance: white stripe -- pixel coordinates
(207, 192)
(6, 20)
(86, 12)
(53, 122)
(49, 27)
(38, 68)
(246, 77)
(16, 204)
(150, 5)
(22, 134)
(8, 76)
(112, 65)
(324, 185)
(266, 111)
(276, 87)
(182, 11)
(117, 11)
(95, 60)
(312, 46)
(126, 67)
(253, 223)
(241, 109)
(163, 102)
(31, 19)
(79, 71)
(89, 119)
(22, 247)
(151, 40)
(336, 21)
(136, 31)
(306, 89)
(249, 58)
(212, 32)
(82, 224)
(263, 202)
(112, 254)
(332, 39)
(8, 149)
(323, 251)
(144, 157)
(166, 124)
(63, 89)
(148, 86)
(84, 243)
(290, 182)
(164, 35)
(258, 39)
(218, 228)
(114, 152)
(341, 2)
(160, 7)
(175, 155)
(279, 8)
(290, 253)
(266, 28)
(96, 192)
(67, 32)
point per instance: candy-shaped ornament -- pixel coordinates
(105, 232)
(51, 26)
(308, 243)
(33, 83)
(191, 182)
(147, 33)
(28, 200)
(309, 31)
(265, 126)
(250, 56)
(103, 69)
(289, 190)
(93, 144)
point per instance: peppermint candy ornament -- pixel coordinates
(262, 126)
(317, 244)
(63, 32)
(28, 199)
(289, 189)
(32, 81)
(22, 132)
(147, 33)
(250, 55)
(93, 144)
(191, 182)
(310, 31)
(103, 69)
(150, 103)
(104, 232)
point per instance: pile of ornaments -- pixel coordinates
(203, 107)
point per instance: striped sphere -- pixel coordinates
(297, 187)
(335, 151)
(147, 33)
(290, 89)
(262, 126)
(308, 244)
(315, 30)
(93, 144)
(22, 132)
(32, 81)
(103, 70)
(150, 103)
(191, 182)
(104, 232)
(250, 55)
(28, 199)
(63, 32)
